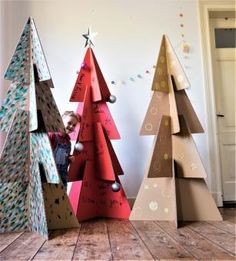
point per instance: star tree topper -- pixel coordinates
(89, 37)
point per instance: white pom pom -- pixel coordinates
(79, 146)
(112, 99)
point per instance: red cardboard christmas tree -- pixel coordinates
(32, 197)
(96, 190)
(173, 187)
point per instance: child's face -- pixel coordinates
(70, 122)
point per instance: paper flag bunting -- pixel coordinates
(96, 198)
(185, 154)
(90, 75)
(14, 158)
(161, 162)
(16, 98)
(28, 52)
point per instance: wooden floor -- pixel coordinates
(106, 239)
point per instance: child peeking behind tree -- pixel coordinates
(61, 144)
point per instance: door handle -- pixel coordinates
(220, 115)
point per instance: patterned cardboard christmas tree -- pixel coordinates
(32, 196)
(173, 187)
(98, 191)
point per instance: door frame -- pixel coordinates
(214, 177)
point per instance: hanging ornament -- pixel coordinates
(112, 99)
(79, 146)
(115, 187)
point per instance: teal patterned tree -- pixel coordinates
(32, 196)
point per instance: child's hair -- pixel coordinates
(72, 114)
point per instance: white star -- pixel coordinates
(89, 37)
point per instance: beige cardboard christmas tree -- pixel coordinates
(173, 187)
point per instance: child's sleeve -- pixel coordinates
(53, 140)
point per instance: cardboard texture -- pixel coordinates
(27, 166)
(96, 198)
(185, 108)
(185, 154)
(96, 167)
(158, 106)
(28, 52)
(90, 75)
(173, 187)
(174, 67)
(160, 79)
(198, 204)
(161, 162)
(16, 98)
(155, 200)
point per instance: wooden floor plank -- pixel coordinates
(216, 235)
(93, 241)
(228, 214)
(24, 247)
(7, 238)
(125, 242)
(160, 244)
(226, 226)
(60, 246)
(196, 244)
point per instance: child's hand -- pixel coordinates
(71, 158)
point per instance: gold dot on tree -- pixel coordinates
(166, 156)
(148, 127)
(166, 123)
(180, 78)
(159, 71)
(163, 84)
(153, 110)
(162, 59)
(157, 86)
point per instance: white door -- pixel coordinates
(224, 69)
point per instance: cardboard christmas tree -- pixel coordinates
(173, 187)
(96, 190)
(32, 196)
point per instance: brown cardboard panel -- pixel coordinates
(160, 82)
(155, 200)
(173, 109)
(175, 68)
(161, 162)
(185, 154)
(185, 108)
(59, 212)
(158, 106)
(50, 113)
(194, 202)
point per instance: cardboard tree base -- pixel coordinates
(96, 199)
(155, 200)
(194, 201)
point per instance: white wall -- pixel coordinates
(128, 41)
